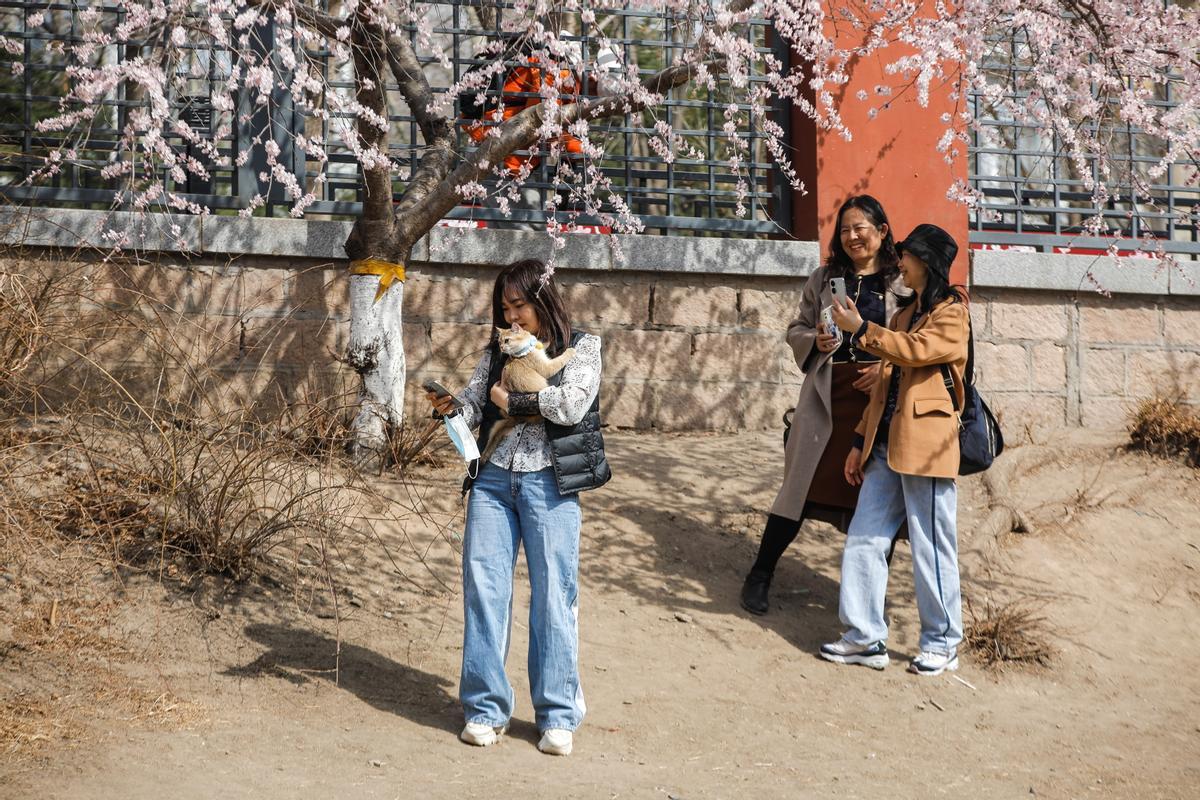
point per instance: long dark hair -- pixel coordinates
(937, 288)
(530, 279)
(839, 262)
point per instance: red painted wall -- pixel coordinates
(892, 157)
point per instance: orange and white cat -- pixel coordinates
(527, 370)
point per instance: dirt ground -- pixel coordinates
(242, 692)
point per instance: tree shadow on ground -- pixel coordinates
(299, 655)
(705, 532)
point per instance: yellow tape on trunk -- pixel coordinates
(388, 272)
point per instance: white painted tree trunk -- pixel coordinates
(377, 353)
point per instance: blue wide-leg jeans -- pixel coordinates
(929, 505)
(507, 509)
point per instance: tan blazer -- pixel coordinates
(923, 439)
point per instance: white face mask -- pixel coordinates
(460, 435)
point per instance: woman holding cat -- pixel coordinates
(838, 378)
(526, 493)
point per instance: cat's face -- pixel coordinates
(514, 339)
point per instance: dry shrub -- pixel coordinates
(32, 322)
(220, 496)
(135, 426)
(417, 443)
(1166, 427)
(317, 424)
(1008, 634)
(165, 432)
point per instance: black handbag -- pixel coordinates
(787, 424)
(979, 438)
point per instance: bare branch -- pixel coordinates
(415, 88)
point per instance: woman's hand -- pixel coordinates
(846, 316)
(853, 468)
(499, 396)
(826, 342)
(866, 378)
(442, 405)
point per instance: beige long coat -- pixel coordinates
(812, 421)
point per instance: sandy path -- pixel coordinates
(688, 696)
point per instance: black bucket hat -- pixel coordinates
(933, 246)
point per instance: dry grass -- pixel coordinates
(28, 724)
(1166, 427)
(1009, 634)
(59, 663)
(69, 628)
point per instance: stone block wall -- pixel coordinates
(681, 351)
(693, 329)
(220, 336)
(1049, 359)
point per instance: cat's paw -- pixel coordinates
(569, 353)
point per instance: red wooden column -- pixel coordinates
(892, 156)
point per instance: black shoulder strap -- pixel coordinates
(969, 373)
(495, 366)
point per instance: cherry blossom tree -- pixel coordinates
(1078, 68)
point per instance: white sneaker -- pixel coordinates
(873, 655)
(930, 663)
(481, 734)
(556, 742)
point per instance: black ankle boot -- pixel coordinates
(754, 591)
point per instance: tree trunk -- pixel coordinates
(376, 296)
(377, 354)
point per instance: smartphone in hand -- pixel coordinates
(831, 327)
(838, 287)
(441, 391)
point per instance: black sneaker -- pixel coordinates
(874, 655)
(754, 592)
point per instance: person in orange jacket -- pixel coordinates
(521, 90)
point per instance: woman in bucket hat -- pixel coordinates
(906, 459)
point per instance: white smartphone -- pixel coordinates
(441, 391)
(838, 287)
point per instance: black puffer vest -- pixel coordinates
(577, 451)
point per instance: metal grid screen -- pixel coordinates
(1035, 197)
(693, 195)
